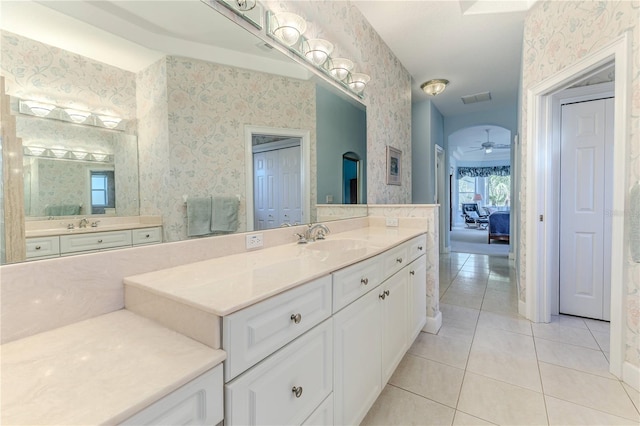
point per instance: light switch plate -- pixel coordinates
(392, 221)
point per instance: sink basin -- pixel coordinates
(333, 245)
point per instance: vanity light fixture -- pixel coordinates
(79, 155)
(58, 151)
(77, 116)
(245, 5)
(434, 87)
(36, 151)
(288, 27)
(99, 156)
(340, 68)
(110, 122)
(358, 81)
(317, 50)
(39, 108)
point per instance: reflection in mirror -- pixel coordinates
(188, 106)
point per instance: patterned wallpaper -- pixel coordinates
(558, 34)
(387, 96)
(199, 137)
(35, 70)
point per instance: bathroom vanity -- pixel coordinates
(312, 332)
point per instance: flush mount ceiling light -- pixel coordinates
(358, 81)
(434, 87)
(110, 122)
(340, 68)
(317, 50)
(288, 27)
(77, 116)
(39, 108)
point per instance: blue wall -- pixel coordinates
(427, 130)
(340, 127)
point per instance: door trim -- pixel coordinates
(540, 237)
(440, 186)
(305, 173)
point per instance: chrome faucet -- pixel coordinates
(317, 232)
(83, 223)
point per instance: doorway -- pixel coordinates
(586, 149)
(294, 180)
(439, 196)
(350, 178)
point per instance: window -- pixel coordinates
(102, 191)
(466, 189)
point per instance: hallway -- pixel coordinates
(489, 366)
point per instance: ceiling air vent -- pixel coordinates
(478, 97)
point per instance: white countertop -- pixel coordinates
(102, 370)
(227, 284)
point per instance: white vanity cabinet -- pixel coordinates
(43, 247)
(199, 402)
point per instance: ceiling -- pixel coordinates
(476, 45)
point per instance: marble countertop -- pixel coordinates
(227, 284)
(99, 371)
(49, 228)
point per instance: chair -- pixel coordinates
(471, 214)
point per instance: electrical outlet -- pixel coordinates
(392, 221)
(254, 241)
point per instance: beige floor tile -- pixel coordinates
(575, 357)
(453, 297)
(451, 330)
(477, 291)
(464, 419)
(602, 339)
(567, 413)
(505, 321)
(433, 380)
(500, 306)
(500, 402)
(505, 356)
(595, 325)
(568, 321)
(634, 395)
(459, 317)
(398, 407)
(447, 350)
(562, 334)
(586, 389)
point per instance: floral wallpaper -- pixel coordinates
(387, 95)
(199, 135)
(558, 34)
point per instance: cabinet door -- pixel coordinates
(417, 301)
(393, 294)
(357, 357)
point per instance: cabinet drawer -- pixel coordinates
(417, 247)
(199, 402)
(146, 236)
(43, 246)
(266, 394)
(252, 334)
(395, 259)
(94, 241)
(352, 282)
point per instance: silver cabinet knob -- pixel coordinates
(386, 292)
(296, 318)
(99, 241)
(297, 391)
(399, 260)
(148, 236)
(412, 272)
(382, 295)
(364, 281)
(420, 248)
(38, 247)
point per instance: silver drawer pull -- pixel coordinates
(412, 272)
(399, 260)
(296, 318)
(147, 236)
(99, 241)
(364, 281)
(420, 248)
(297, 391)
(38, 247)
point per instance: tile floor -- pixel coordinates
(489, 366)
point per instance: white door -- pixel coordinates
(265, 187)
(290, 185)
(585, 227)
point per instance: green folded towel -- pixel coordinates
(224, 214)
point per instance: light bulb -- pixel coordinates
(317, 50)
(340, 68)
(110, 122)
(358, 82)
(77, 116)
(288, 27)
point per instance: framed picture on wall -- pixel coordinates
(394, 166)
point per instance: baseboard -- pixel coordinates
(433, 324)
(631, 375)
(522, 308)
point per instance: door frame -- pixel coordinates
(578, 94)
(539, 213)
(305, 173)
(440, 186)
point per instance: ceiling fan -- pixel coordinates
(489, 146)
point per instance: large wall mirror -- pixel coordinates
(187, 82)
